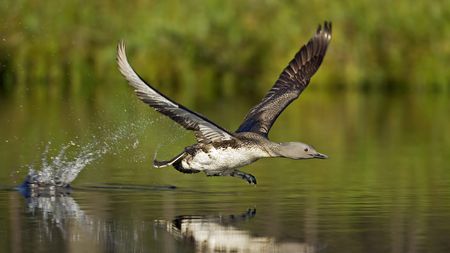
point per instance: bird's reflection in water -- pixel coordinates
(219, 234)
(57, 218)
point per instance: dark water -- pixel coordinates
(385, 187)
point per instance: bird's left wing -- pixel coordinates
(205, 130)
(292, 81)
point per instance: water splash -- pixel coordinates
(62, 168)
(62, 215)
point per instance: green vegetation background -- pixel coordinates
(209, 49)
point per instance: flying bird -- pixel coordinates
(219, 152)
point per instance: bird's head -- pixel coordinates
(298, 150)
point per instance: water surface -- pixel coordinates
(385, 187)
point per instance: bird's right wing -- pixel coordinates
(205, 130)
(292, 81)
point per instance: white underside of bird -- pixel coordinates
(223, 158)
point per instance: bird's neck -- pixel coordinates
(274, 149)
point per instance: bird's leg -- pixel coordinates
(250, 178)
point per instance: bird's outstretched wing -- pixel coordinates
(292, 81)
(205, 130)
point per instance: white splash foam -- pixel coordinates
(62, 169)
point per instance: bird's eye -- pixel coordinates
(306, 149)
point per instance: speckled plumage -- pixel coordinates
(218, 157)
(219, 152)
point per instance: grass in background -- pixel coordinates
(209, 49)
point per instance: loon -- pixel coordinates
(219, 152)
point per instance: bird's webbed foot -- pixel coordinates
(248, 177)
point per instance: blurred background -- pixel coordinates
(379, 106)
(209, 49)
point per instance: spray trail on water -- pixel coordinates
(60, 170)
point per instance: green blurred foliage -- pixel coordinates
(209, 49)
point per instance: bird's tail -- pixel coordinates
(161, 164)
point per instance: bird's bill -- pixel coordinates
(320, 156)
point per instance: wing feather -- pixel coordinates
(205, 130)
(291, 82)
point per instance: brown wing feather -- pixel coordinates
(292, 81)
(205, 130)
